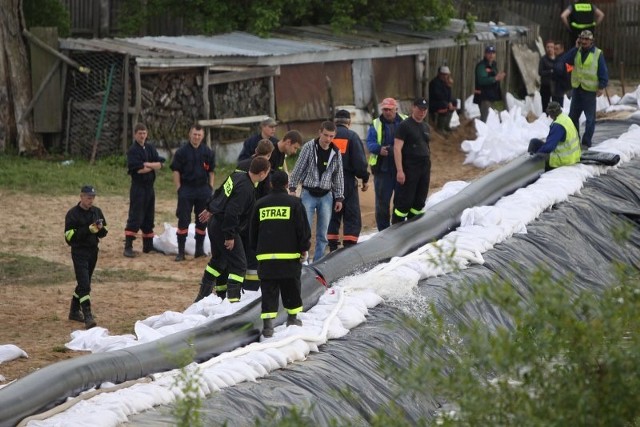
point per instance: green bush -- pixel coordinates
(568, 358)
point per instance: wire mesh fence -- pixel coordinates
(94, 105)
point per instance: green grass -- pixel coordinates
(53, 178)
(34, 271)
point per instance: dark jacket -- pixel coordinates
(354, 161)
(546, 71)
(232, 203)
(76, 227)
(279, 232)
(487, 87)
(250, 144)
(194, 164)
(439, 95)
(136, 157)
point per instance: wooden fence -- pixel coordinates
(618, 35)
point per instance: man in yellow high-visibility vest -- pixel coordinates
(589, 78)
(562, 144)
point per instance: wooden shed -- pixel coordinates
(298, 76)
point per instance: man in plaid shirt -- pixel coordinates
(319, 170)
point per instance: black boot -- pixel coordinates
(267, 329)
(89, 322)
(233, 291)
(182, 240)
(221, 294)
(74, 310)
(128, 246)
(292, 320)
(147, 246)
(206, 287)
(199, 246)
(333, 245)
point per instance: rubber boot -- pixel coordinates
(89, 322)
(221, 294)
(128, 246)
(206, 287)
(182, 240)
(74, 311)
(199, 246)
(267, 328)
(147, 246)
(292, 320)
(233, 291)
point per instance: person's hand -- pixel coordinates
(303, 256)
(338, 207)
(204, 216)
(500, 76)
(94, 228)
(384, 151)
(365, 186)
(599, 92)
(229, 244)
(400, 177)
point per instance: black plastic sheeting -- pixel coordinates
(572, 237)
(28, 396)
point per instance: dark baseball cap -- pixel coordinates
(88, 189)
(421, 103)
(343, 114)
(490, 49)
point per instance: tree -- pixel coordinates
(259, 17)
(15, 79)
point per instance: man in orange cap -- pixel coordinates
(380, 144)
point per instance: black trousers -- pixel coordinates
(271, 290)
(412, 195)
(142, 203)
(349, 214)
(191, 199)
(225, 262)
(84, 263)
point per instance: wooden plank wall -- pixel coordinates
(617, 36)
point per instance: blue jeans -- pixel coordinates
(384, 184)
(583, 101)
(323, 206)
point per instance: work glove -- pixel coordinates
(534, 145)
(93, 228)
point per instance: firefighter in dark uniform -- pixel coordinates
(281, 236)
(413, 163)
(251, 282)
(142, 163)
(580, 16)
(193, 175)
(227, 214)
(287, 146)
(84, 226)
(354, 165)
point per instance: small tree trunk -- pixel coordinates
(17, 74)
(5, 111)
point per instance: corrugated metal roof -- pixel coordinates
(286, 42)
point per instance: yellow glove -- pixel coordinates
(93, 228)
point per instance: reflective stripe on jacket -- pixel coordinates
(377, 125)
(586, 74)
(567, 152)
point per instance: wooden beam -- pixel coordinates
(231, 121)
(40, 90)
(54, 52)
(205, 100)
(138, 104)
(255, 73)
(125, 105)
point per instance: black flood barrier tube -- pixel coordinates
(52, 384)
